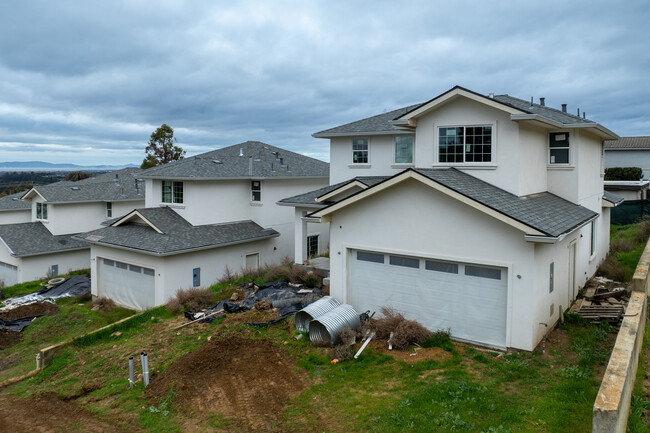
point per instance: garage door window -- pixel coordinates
(370, 257)
(133, 268)
(121, 265)
(108, 262)
(451, 268)
(407, 262)
(481, 272)
(148, 271)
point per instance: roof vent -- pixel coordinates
(216, 161)
(15, 198)
(564, 108)
(542, 102)
(241, 152)
(491, 95)
(75, 188)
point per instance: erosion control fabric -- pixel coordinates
(74, 286)
(284, 297)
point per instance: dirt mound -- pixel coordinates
(251, 316)
(248, 380)
(8, 338)
(35, 309)
(48, 413)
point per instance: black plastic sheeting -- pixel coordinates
(74, 286)
(17, 324)
(285, 299)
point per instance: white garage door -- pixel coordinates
(468, 299)
(8, 274)
(129, 285)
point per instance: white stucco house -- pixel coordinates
(14, 210)
(203, 215)
(479, 214)
(43, 245)
(629, 152)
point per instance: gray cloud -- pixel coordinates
(88, 82)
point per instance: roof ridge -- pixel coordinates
(547, 107)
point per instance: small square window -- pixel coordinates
(172, 192)
(360, 150)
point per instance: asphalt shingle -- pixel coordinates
(613, 198)
(13, 202)
(628, 143)
(28, 239)
(309, 198)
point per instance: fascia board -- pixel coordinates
(361, 133)
(340, 190)
(133, 214)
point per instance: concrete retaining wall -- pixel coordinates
(612, 405)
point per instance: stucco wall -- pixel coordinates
(36, 267)
(16, 216)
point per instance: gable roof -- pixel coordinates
(174, 234)
(120, 185)
(249, 160)
(543, 214)
(13, 202)
(379, 124)
(629, 143)
(31, 239)
(309, 199)
(613, 199)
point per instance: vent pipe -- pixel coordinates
(584, 115)
(542, 102)
(491, 95)
(531, 101)
(578, 111)
(241, 152)
(564, 108)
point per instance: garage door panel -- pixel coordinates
(8, 274)
(129, 285)
(473, 308)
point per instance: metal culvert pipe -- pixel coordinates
(325, 329)
(313, 311)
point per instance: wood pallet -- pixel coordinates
(609, 313)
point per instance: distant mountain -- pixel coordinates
(48, 166)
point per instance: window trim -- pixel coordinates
(310, 237)
(367, 152)
(258, 191)
(493, 154)
(173, 193)
(568, 148)
(593, 239)
(41, 211)
(412, 137)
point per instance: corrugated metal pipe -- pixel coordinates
(325, 330)
(313, 311)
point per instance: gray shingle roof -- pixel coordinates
(308, 199)
(613, 198)
(628, 143)
(542, 110)
(30, 239)
(121, 185)
(13, 202)
(249, 160)
(178, 234)
(374, 124)
(544, 211)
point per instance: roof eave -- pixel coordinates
(42, 253)
(360, 133)
(296, 204)
(185, 178)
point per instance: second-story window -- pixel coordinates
(360, 149)
(465, 144)
(558, 147)
(41, 211)
(172, 192)
(256, 190)
(404, 149)
(109, 209)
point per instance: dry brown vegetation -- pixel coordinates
(103, 304)
(192, 299)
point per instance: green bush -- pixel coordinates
(623, 173)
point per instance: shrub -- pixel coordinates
(386, 324)
(409, 332)
(440, 338)
(612, 269)
(623, 173)
(103, 304)
(643, 231)
(344, 351)
(622, 245)
(192, 299)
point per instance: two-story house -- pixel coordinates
(479, 214)
(44, 246)
(203, 216)
(14, 210)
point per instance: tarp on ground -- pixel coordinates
(78, 286)
(284, 297)
(17, 324)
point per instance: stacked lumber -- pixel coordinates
(603, 306)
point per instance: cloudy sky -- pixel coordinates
(88, 81)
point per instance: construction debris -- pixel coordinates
(605, 300)
(78, 286)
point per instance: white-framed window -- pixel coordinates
(592, 240)
(360, 150)
(109, 209)
(256, 190)
(465, 144)
(172, 191)
(404, 149)
(558, 148)
(312, 246)
(41, 211)
(551, 278)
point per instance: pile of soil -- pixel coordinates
(247, 380)
(29, 310)
(251, 316)
(8, 338)
(48, 413)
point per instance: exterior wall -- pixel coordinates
(15, 216)
(452, 231)
(303, 228)
(533, 145)
(629, 158)
(381, 158)
(36, 267)
(121, 208)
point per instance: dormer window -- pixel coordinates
(172, 192)
(360, 149)
(41, 211)
(558, 146)
(465, 144)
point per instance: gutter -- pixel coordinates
(559, 238)
(20, 256)
(163, 177)
(294, 204)
(556, 124)
(361, 133)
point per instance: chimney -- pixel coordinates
(542, 102)
(564, 108)
(491, 95)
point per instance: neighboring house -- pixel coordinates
(479, 214)
(629, 152)
(203, 216)
(44, 246)
(14, 210)
(628, 189)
